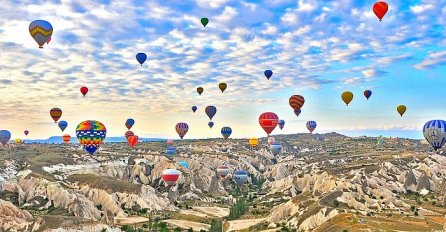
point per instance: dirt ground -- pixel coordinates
(186, 224)
(243, 224)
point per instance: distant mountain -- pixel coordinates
(58, 139)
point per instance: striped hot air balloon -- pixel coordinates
(435, 133)
(240, 177)
(210, 111)
(311, 125)
(222, 171)
(128, 134)
(170, 177)
(296, 102)
(41, 31)
(66, 138)
(55, 113)
(268, 121)
(182, 129)
(226, 132)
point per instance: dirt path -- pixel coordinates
(187, 224)
(243, 224)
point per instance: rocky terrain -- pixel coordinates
(319, 183)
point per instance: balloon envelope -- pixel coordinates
(91, 134)
(5, 135)
(194, 108)
(62, 125)
(281, 124)
(222, 86)
(26, 132)
(311, 125)
(297, 112)
(367, 94)
(141, 58)
(271, 140)
(240, 177)
(268, 74)
(380, 9)
(347, 97)
(401, 109)
(200, 90)
(276, 148)
(55, 113)
(226, 132)
(66, 138)
(184, 164)
(170, 177)
(435, 133)
(129, 123)
(296, 102)
(268, 121)
(204, 21)
(41, 31)
(253, 142)
(128, 134)
(181, 129)
(222, 171)
(210, 124)
(210, 111)
(84, 90)
(169, 141)
(171, 151)
(132, 140)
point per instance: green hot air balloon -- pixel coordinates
(204, 21)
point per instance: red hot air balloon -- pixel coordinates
(296, 102)
(84, 90)
(128, 134)
(132, 141)
(66, 138)
(170, 177)
(223, 171)
(380, 9)
(26, 132)
(268, 121)
(55, 113)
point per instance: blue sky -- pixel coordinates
(317, 49)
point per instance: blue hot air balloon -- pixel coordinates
(41, 31)
(184, 164)
(194, 108)
(367, 94)
(434, 132)
(311, 125)
(62, 125)
(211, 111)
(281, 124)
(240, 177)
(297, 112)
(171, 151)
(141, 58)
(210, 124)
(5, 135)
(129, 123)
(268, 73)
(226, 132)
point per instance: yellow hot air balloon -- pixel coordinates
(347, 97)
(401, 109)
(253, 142)
(18, 141)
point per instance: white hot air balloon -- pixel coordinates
(435, 133)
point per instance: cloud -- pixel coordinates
(418, 9)
(434, 59)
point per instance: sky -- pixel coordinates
(316, 49)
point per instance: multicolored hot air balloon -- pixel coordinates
(204, 21)
(182, 129)
(169, 141)
(141, 58)
(184, 164)
(171, 151)
(276, 148)
(268, 74)
(296, 102)
(5, 135)
(222, 86)
(281, 124)
(311, 125)
(435, 133)
(194, 108)
(347, 97)
(210, 111)
(401, 109)
(222, 171)
(226, 132)
(129, 123)
(62, 125)
(240, 177)
(367, 94)
(210, 124)
(55, 113)
(253, 142)
(271, 140)
(41, 31)
(26, 132)
(129, 134)
(91, 134)
(84, 90)
(66, 138)
(170, 177)
(380, 9)
(200, 90)
(268, 121)
(132, 140)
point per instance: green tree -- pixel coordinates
(216, 226)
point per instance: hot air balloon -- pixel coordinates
(84, 90)
(401, 109)
(55, 113)
(311, 125)
(268, 74)
(347, 97)
(210, 124)
(222, 86)
(41, 31)
(5, 135)
(170, 177)
(182, 129)
(26, 132)
(268, 121)
(211, 111)
(271, 140)
(129, 123)
(62, 125)
(171, 151)
(253, 142)
(66, 138)
(240, 177)
(132, 140)
(296, 102)
(226, 132)
(380, 9)
(169, 141)
(128, 134)
(222, 171)
(367, 94)
(141, 58)
(200, 90)
(281, 124)
(91, 134)
(434, 132)
(276, 148)
(184, 164)
(194, 108)
(18, 141)
(380, 140)
(297, 112)
(204, 21)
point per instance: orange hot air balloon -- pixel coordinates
(347, 97)
(132, 141)
(222, 86)
(401, 109)
(253, 142)
(66, 138)
(200, 90)
(56, 113)
(296, 102)
(268, 121)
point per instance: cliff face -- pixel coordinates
(13, 218)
